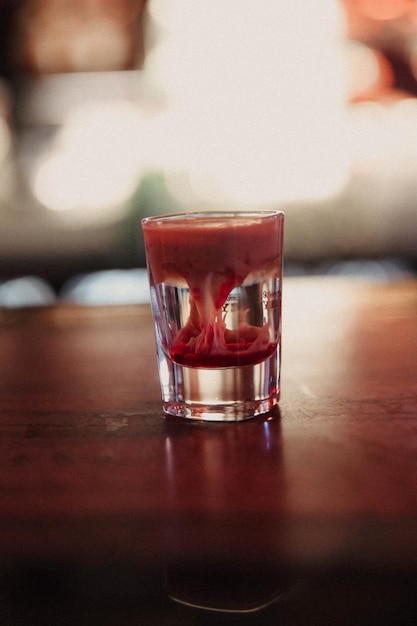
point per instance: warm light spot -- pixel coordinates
(369, 71)
(101, 46)
(96, 161)
(385, 137)
(385, 9)
(256, 93)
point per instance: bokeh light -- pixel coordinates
(370, 74)
(384, 9)
(385, 138)
(96, 160)
(257, 95)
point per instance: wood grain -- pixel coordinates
(89, 468)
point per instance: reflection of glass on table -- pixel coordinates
(224, 587)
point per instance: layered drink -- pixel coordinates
(215, 282)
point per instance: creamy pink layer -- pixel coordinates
(191, 247)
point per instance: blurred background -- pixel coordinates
(112, 111)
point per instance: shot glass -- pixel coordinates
(215, 282)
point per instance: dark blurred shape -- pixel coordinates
(52, 36)
(8, 10)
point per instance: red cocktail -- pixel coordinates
(215, 283)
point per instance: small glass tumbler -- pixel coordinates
(215, 282)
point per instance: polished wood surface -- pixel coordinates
(93, 477)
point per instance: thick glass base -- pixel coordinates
(219, 394)
(236, 412)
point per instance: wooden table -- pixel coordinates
(107, 509)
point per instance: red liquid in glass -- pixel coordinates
(213, 256)
(236, 358)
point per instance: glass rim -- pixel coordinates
(219, 214)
